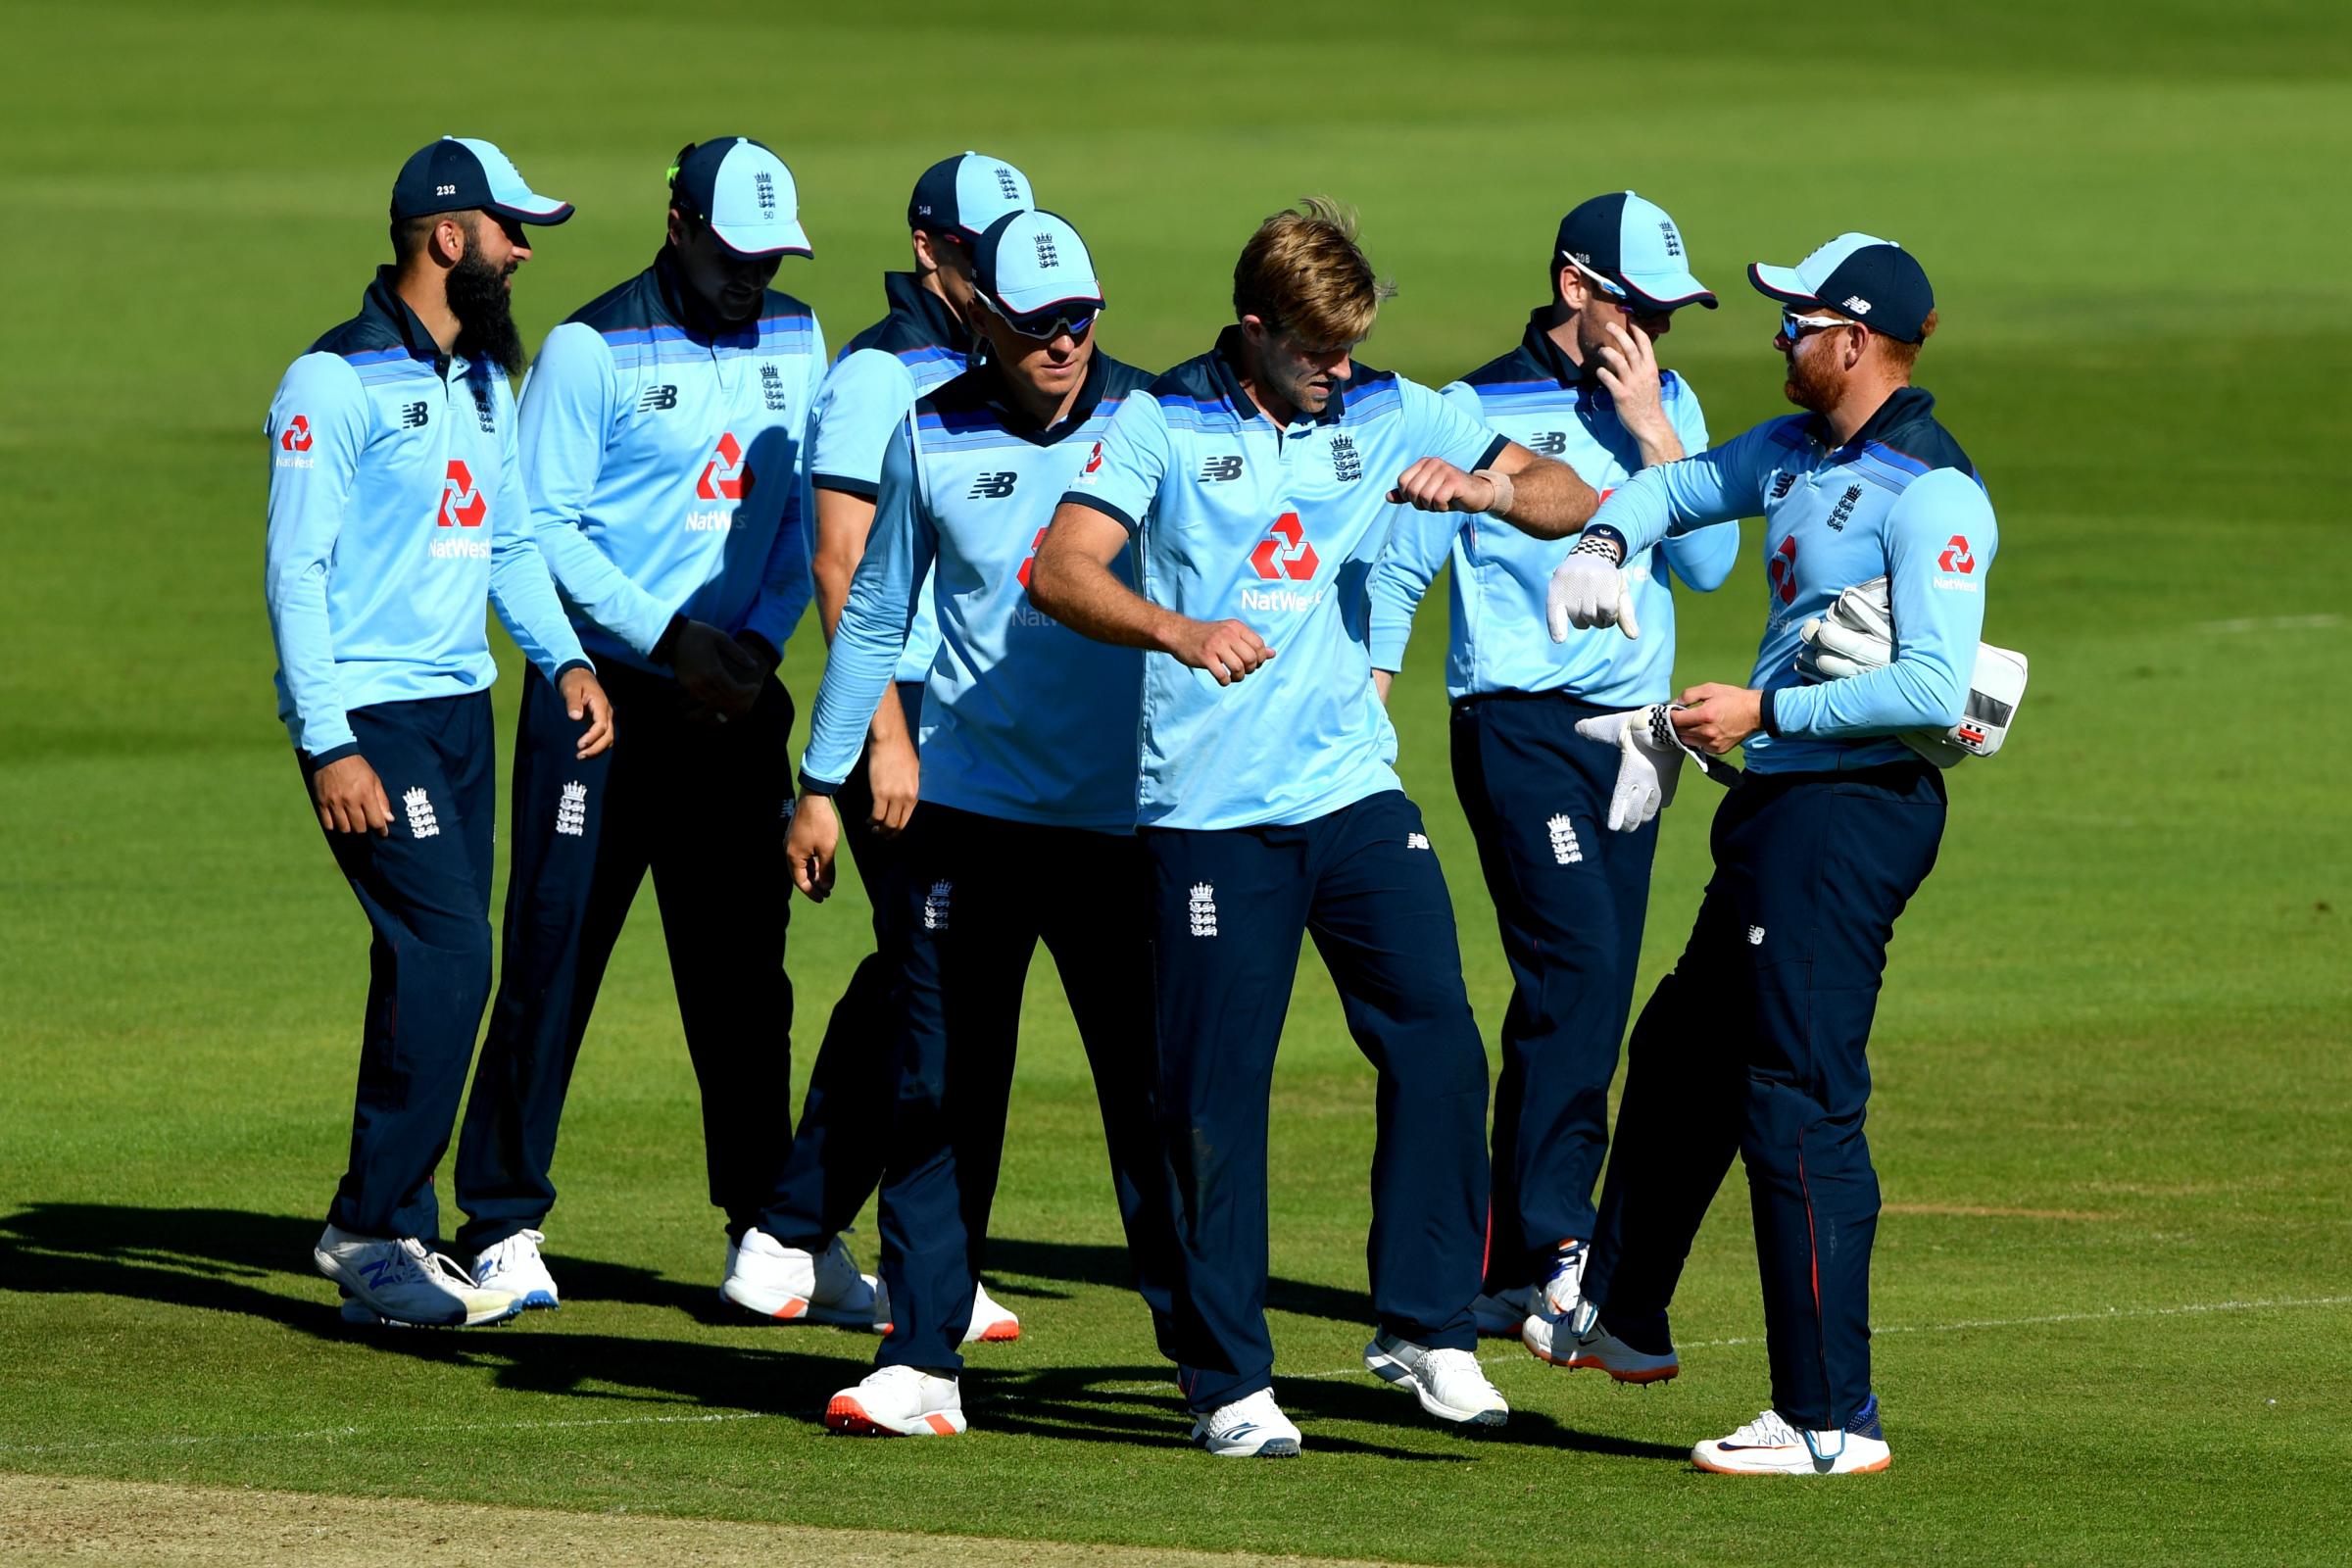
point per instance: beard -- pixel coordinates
(1811, 386)
(478, 298)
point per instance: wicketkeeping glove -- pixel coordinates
(1857, 636)
(1590, 588)
(1649, 759)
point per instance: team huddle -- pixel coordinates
(1109, 657)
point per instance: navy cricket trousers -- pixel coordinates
(974, 896)
(426, 891)
(1570, 897)
(702, 806)
(1756, 1044)
(1229, 907)
(837, 1153)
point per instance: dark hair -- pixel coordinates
(409, 234)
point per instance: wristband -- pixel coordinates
(1504, 491)
(1764, 713)
(1600, 539)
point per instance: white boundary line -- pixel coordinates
(2113, 1314)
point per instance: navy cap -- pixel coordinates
(745, 193)
(1033, 269)
(1874, 280)
(962, 196)
(1633, 246)
(461, 173)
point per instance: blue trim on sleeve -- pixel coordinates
(1098, 504)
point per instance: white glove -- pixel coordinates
(1857, 636)
(1648, 762)
(1591, 589)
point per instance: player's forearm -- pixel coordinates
(306, 657)
(524, 597)
(1922, 690)
(843, 522)
(1547, 500)
(1086, 596)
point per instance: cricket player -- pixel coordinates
(1582, 384)
(396, 509)
(838, 1152)
(1756, 1041)
(1255, 484)
(1027, 828)
(663, 436)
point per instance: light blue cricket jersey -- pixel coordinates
(1539, 398)
(1901, 501)
(396, 510)
(663, 458)
(1023, 717)
(1237, 517)
(916, 347)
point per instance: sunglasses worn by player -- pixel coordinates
(1042, 326)
(1618, 295)
(1795, 328)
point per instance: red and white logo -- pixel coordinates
(1285, 552)
(1781, 567)
(1956, 556)
(462, 505)
(723, 477)
(1032, 558)
(297, 437)
(1094, 459)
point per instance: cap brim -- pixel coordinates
(1781, 283)
(538, 209)
(1669, 291)
(757, 240)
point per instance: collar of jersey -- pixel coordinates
(1226, 364)
(1907, 405)
(1545, 355)
(382, 301)
(989, 385)
(906, 295)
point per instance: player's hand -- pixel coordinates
(1435, 485)
(1590, 589)
(584, 699)
(1382, 680)
(351, 799)
(1716, 717)
(718, 677)
(809, 845)
(1649, 763)
(895, 773)
(1629, 371)
(1226, 649)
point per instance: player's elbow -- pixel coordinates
(1053, 575)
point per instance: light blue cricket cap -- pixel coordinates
(742, 189)
(464, 174)
(1634, 247)
(1032, 266)
(960, 196)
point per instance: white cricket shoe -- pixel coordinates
(989, 1323)
(516, 1267)
(793, 1286)
(1578, 1339)
(397, 1278)
(1770, 1447)
(898, 1402)
(1499, 1312)
(1252, 1427)
(1449, 1383)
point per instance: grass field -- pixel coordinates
(2114, 1285)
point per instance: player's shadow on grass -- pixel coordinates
(1080, 1263)
(257, 1266)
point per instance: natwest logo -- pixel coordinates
(1781, 567)
(462, 505)
(1956, 556)
(297, 437)
(723, 478)
(1285, 552)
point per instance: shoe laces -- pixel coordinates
(1453, 1363)
(1255, 1410)
(515, 1248)
(1766, 1431)
(438, 1268)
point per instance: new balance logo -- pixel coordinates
(422, 824)
(1219, 469)
(1547, 443)
(1755, 936)
(1856, 304)
(1781, 484)
(1565, 850)
(935, 906)
(1416, 841)
(658, 398)
(411, 415)
(993, 486)
(1203, 909)
(375, 1273)
(571, 812)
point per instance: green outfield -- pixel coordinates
(2114, 1104)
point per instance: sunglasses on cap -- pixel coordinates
(1796, 327)
(1618, 295)
(1041, 327)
